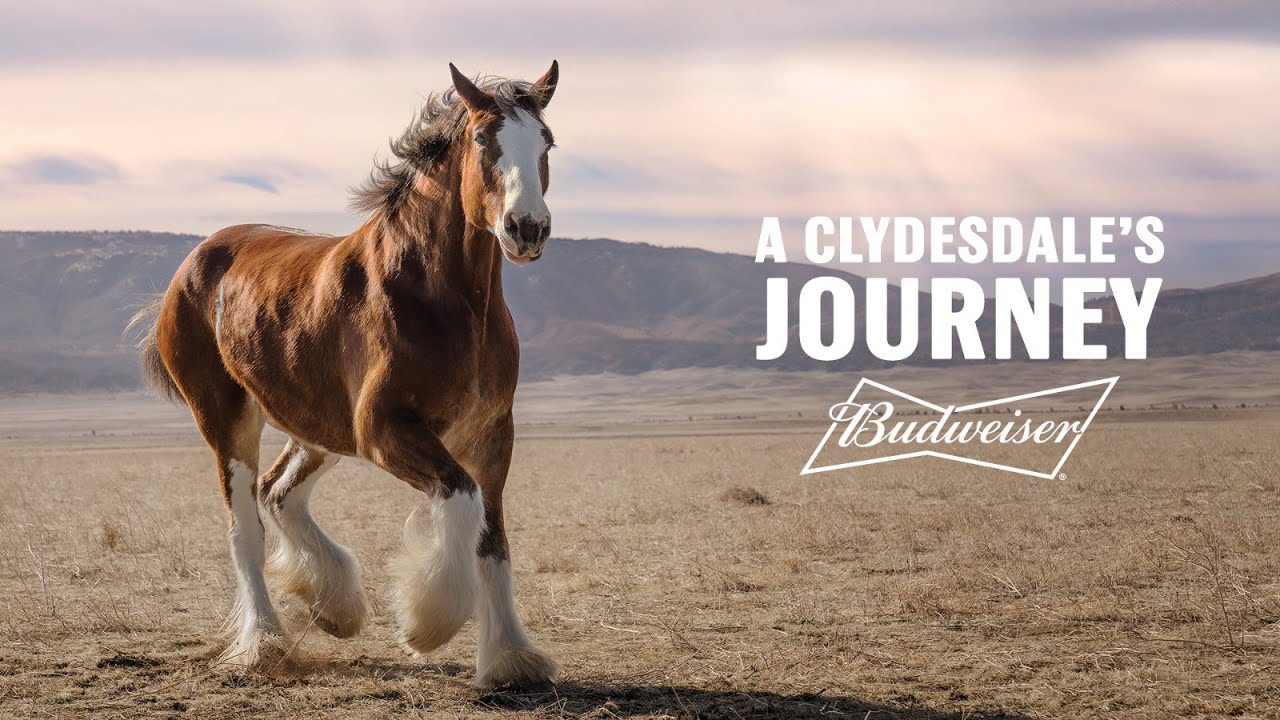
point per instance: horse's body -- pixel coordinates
(392, 344)
(300, 329)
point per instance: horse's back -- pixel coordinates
(261, 251)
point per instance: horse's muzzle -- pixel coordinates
(528, 233)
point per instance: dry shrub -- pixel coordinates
(110, 534)
(1216, 590)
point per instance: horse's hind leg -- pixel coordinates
(258, 634)
(310, 564)
(232, 425)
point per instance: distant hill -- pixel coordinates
(588, 306)
(1243, 315)
(65, 298)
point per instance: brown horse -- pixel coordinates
(392, 344)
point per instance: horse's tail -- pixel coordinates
(154, 373)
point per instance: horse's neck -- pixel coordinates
(429, 238)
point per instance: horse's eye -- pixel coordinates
(481, 139)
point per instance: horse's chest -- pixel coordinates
(458, 366)
(477, 403)
(472, 383)
(473, 386)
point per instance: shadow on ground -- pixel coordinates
(365, 685)
(604, 699)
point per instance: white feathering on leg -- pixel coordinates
(310, 564)
(437, 573)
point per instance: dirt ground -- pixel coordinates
(682, 569)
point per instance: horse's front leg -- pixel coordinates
(436, 591)
(505, 655)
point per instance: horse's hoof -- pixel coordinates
(342, 609)
(342, 628)
(260, 650)
(518, 667)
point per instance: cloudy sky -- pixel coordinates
(678, 123)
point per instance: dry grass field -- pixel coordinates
(679, 569)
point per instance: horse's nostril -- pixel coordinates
(512, 225)
(546, 231)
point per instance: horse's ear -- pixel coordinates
(545, 86)
(473, 97)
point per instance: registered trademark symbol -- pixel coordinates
(1062, 476)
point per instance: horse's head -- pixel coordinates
(504, 163)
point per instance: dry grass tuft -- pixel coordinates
(110, 534)
(744, 496)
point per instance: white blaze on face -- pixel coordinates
(522, 144)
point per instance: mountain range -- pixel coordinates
(588, 306)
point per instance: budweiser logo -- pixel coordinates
(879, 424)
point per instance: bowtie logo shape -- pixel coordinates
(866, 426)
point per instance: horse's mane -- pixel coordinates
(424, 143)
